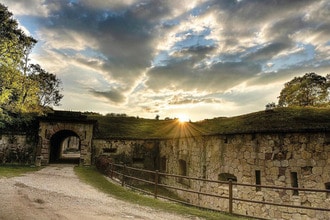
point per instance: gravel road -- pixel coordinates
(55, 192)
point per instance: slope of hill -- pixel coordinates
(278, 120)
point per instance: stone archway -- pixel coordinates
(53, 131)
(64, 147)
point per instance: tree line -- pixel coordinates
(24, 87)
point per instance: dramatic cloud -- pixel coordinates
(207, 57)
(113, 96)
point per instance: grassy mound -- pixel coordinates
(277, 120)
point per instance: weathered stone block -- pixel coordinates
(317, 170)
(305, 155)
(284, 163)
(301, 163)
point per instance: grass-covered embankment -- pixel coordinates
(278, 120)
(91, 176)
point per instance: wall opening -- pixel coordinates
(64, 147)
(204, 172)
(327, 187)
(294, 183)
(182, 168)
(307, 170)
(258, 180)
(227, 177)
(163, 164)
(183, 172)
(109, 150)
(138, 162)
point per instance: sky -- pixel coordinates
(198, 58)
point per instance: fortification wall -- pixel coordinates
(278, 159)
(17, 148)
(274, 159)
(137, 153)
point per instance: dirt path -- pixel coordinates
(55, 192)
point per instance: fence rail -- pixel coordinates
(122, 173)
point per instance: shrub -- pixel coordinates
(103, 164)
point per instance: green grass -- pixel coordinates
(161, 191)
(91, 176)
(278, 120)
(15, 170)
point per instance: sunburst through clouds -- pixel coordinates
(181, 128)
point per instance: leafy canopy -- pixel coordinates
(13, 41)
(308, 90)
(24, 87)
(49, 86)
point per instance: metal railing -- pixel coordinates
(122, 174)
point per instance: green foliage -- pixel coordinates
(24, 88)
(15, 99)
(309, 90)
(103, 164)
(17, 92)
(16, 155)
(13, 42)
(49, 86)
(26, 123)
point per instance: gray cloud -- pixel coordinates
(220, 77)
(179, 52)
(123, 37)
(267, 52)
(112, 95)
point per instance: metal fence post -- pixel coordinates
(156, 184)
(230, 185)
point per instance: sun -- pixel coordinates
(183, 118)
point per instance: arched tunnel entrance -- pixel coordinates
(64, 147)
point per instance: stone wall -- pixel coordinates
(279, 159)
(48, 130)
(17, 148)
(274, 159)
(136, 153)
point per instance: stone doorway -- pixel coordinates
(65, 137)
(65, 147)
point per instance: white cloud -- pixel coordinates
(139, 56)
(30, 7)
(62, 38)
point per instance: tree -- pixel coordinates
(14, 46)
(13, 42)
(49, 86)
(24, 88)
(309, 90)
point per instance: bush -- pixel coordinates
(17, 155)
(103, 164)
